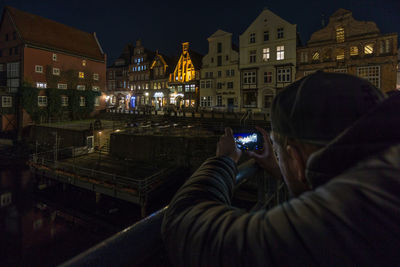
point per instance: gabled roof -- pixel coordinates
(49, 34)
(197, 59)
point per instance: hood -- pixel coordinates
(375, 132)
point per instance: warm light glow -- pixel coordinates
(184, 71)
(146, 94)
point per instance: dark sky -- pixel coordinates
(165, 24)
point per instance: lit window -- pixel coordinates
(95, 88)
(266, 36)
(284, 75)
(219, 100)
(369, 49)
(266, 54)
(97, 101)
(80, 87)
(41, 85)
(385, 46)
(54, 57)
(370, 73)
(304, 57)
(6, 101)
(354, 51)
(42, 101)
(56, 71)
(252, 38)
(339, 35)
(64, 101)
(253, 54)
(82, 101)
(81, 75)
(315, 56)
(279, 33)
(39, 69)
(267, 77)
(84, 63)
(95, 76)
(62, 86)
(280, 52)
(339, 54)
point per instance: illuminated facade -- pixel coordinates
(350, 46)
(159, 87)
(220, 76)
(267, 60)
(184, 80)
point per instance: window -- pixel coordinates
(304, 57)
(219, 60)
(230, 85)
(340, 70)
(6, 101)
(219, 85)
(340, 35)
(56, 71)
(339, 54)
(95, 76)
(206, 101)
(16, 51)
(80, 87)
(280, 52)
(39, 69)
(283, 75)
(267, 77)
(211, 74)
(232, 72)
(84, 63)
(219, 100)
(187, 87)
(249, 77)
(6, 36)
(228, 73)
(369, 49)
(219, 48)
(208, 84)
(370, 73)
(250, 99)
(41, 85)
(202, 84)
(1, 53)
(82, 101)
(96, 88)
(353, 51)
(268, 101)
(14, 35)
(42, 101)
(279, 34)
(266, 36)
(193, 88)
(266, 54)
(64, 101)
(13, 70)
(62, 86)
(219, 73)
(10, 51)
(252, 39)
(315, 56)
(212, 60)
(54, 57)
(97, 101)
(385, 46)
(81, 75)
(226, 57)
(252, 56)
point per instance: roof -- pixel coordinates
(46, 33)
(197, 59)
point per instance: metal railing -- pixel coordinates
(141, 243)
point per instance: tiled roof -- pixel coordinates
(46, 33)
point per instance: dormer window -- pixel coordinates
(340, 35)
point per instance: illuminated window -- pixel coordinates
(340, 35)
(80, 87)
(62, 86)
(370, 73)
(252, 38)
(353, 51)
(81, 75)
(54, 57)
(193, 88)
(279, 32)
(56, 71)
(83, 62)
(267, 77)
(369, 49)
(219, 100)
(82, 101)
(6, 101)
(339, 54)
(95, 76)
(266, 36)
(97, 101)
(385, 46)
(39, 69)
(41, 85)
(315, 56)
(266, 54)
(253, 54)
(280, 52)
(96, 88)
(283, 75)
(42, 101)
(64, 101)
(249, 77)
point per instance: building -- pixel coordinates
(118, 86)
(267, 60)
(398, 70)
(350, 46)
(184, 81)
(139, 75)
(53, 66)
(160, 94)
(220, 76)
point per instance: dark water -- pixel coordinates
(46, 226)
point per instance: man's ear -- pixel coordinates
(298, 163)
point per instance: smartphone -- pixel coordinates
(249, 141)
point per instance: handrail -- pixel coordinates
(140, 242)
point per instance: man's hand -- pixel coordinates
(266, 159)
(227, 146)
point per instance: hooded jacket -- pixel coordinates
(350, 218)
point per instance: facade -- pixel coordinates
(350, 46)
(398, 70)
(267, 60)
(118, 86)
(139, 76)
(220, 76)
(160, 93)
(38, 52)
(184, 80)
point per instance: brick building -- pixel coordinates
(42, 53)
(350, 46)
(118, 85)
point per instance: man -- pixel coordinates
(337, 139)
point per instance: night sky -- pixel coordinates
(164, 24)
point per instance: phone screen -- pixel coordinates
(248, 141)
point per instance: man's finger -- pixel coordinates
(228, 132)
